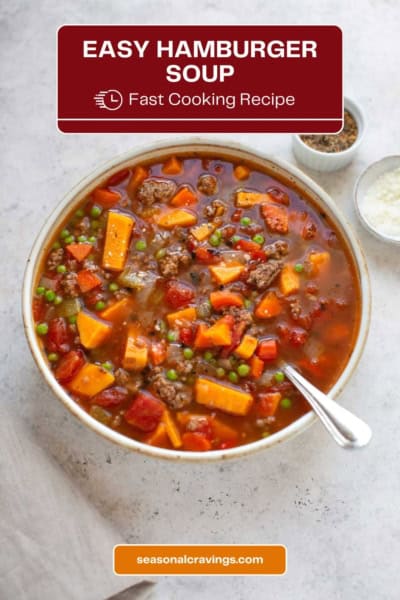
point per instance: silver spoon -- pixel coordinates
(346, 429)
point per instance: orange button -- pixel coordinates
(134, 559)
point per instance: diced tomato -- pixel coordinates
(267, 403)
(145, 412)
(279, 195)
(205, 256)
(298, 336)
(58, 337)
(186, 336)
(69, 366)
(236, 215)
(178, 294)
(200, 424)
(38, 308)
(93, 296)
(111, 397)
(195, 442)
(118, 177)
(251, 248)
(267, 349)
(158, 352)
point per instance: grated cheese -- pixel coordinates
(381, 204)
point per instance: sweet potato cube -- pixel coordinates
(202, 232)
(90, 380)
(136, 354)
(246, 347)
(187, 314)
(178, 217)
(320, 262)
(93, 331)
(118, 234)
(269, 306)
(116, 311)
(184, 197)
(224, 274)
(223, 397)
(289, 281)
(172, 166)
(241, 172)
(246, 199)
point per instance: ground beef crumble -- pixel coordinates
(169, 265)
(207, 185)
(173, 393)
(264, 274)
(155, 190)
(277, 249)
(215, 209)
(70, 286)
(55, 259)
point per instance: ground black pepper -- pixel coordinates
(334, 142)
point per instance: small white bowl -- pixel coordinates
(365, 180)
(331, 161)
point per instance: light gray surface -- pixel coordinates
(337, 512)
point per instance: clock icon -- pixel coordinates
(109, 99)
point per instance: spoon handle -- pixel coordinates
(347, 430)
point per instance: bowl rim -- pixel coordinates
(375, 232)
(359, 116)
(193, 143)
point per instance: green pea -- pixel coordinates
(233, 377)
(92, 239)
(56, 245)
(108, 366)
(50, 295)
(172, 375)
(243, 370)
(208, 356)
(279, 376)
(215, 240)
(245, 221)
(53, 357)
(80, 213)
(161, 253)
(258, 239)
(40, 290)
(235, 239)
(64, 234)
(95, 224)
(188, 353)
(299, 268)
(141, 245)
(113, 287)
(220, 372)
(100, 305)
(58, 300)
(70, 239)
(61, 269)
(72, 319)
(247, 303)
(172, 336)
(286, 403)
(95, 211)
(42, 328)
(82, 238)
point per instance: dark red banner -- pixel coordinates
(142, 78)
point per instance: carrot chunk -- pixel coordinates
(172, 166)
(79, 251)
(87, 280)
(219, 334)
(90, 380)
(106, 198)
(118, 233)
(139, 174)
(223, 397)
(241, 172)
(267, 349)
(184, 197)
(195, 442)
(172, 429)
(187, 314)
(267, 404)
(158, 437)
(269, 306)
(158, 352)
(201, 340)
(222, 299)
(319, 261)
(92, 330)
(276, 217)
(256, 367)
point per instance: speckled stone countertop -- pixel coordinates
(336, 511)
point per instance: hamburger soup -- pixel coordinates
(169, 297)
